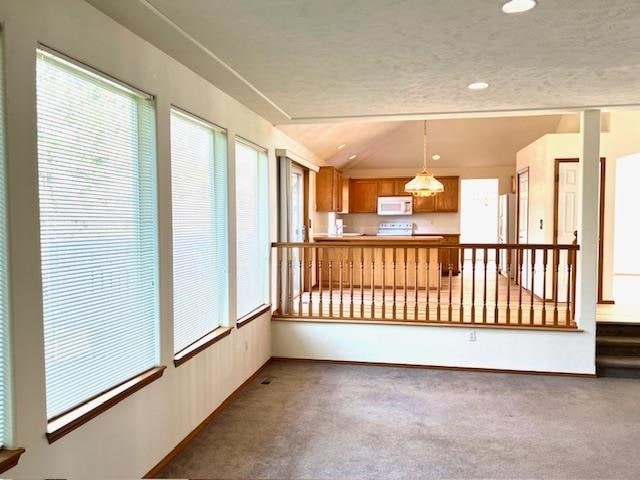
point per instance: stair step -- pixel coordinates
(615, 340)
(618, 328)
(618, 361)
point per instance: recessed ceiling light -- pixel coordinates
(478, 86)
(518, 6)
(435, 157)
(352, 157)
(340, 147)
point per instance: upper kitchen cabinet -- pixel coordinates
(424, 204)
(329, 190)
(386, 187)
(363, 196)
(447, 201)
(398, 185)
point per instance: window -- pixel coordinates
(252, 228)
(96, 166)
(199, 191)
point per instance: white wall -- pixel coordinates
(133, 436)
(622, 139)
(540, 351)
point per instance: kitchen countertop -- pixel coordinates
(376, 238)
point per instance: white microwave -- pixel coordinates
(395, 205)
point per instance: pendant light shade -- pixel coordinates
(424, 184)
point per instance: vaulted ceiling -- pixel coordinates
(305, 60)
(473, 142)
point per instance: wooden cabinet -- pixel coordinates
(450, 257)
(386, 187)
(447, 201)
(399, 184)
(424, 204)
(329, 190)
(363, 196)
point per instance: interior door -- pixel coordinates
(566, 217)
(523, 226)
(297, 228)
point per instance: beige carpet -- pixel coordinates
(325, 421)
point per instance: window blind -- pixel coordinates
(199, 191)
(5, 378)
(252, 228)
(98, 233)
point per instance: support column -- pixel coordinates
(587, 282)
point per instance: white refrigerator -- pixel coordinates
(506, 228)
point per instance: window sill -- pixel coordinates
(249, 317)
(9, 458)
(199, 345)
(68, 422)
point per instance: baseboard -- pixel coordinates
(186, 440)
(436, 367)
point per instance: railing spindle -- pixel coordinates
(340, 282)
(301, 279)
(567, 319)
(384, 272)
(417, 284)
(290, 281)
(393, 268)
(495, 307)
(331, 285)
(556, 270)
(450, 309)
(473, 285)
(406, 284)
(484, 288)
(320, 282)
(373, 283)
(427, 309)
(509, 267)
(439, 284)
(533, 286)
(520, 262)
(310, 268)
(461, 317)
(545, 254)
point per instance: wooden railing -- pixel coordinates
(519, 285)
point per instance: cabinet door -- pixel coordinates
(447, 201)
(399, 185)
(337, 191)
(363, 196)
(386, 187)
(424, 204)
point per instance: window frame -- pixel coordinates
(65, 422)
(222, 330)
(265, 306)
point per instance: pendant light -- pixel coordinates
(424, 184)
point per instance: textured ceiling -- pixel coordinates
(479, 142)
(309, 59)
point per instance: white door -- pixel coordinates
(297, 233)
(568, 202)
(523, 224)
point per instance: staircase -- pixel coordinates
(618, 350)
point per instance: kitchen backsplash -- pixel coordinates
(367, 223)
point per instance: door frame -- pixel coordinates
(517, 239)
(601, 216)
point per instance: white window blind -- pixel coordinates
(199, 191)
(252, 228)
(5, 413)
(96, 167)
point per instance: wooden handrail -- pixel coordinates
(518, 285)
(426, 243)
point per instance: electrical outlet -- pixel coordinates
(472, 336)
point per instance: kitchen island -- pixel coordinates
(407, 261)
